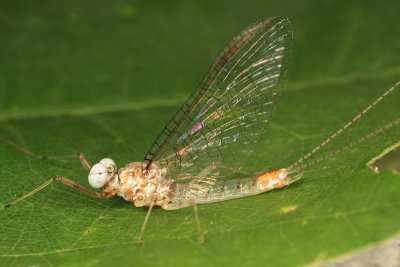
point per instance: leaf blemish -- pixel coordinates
(288, 209)
(389, 159)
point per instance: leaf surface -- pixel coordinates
(104, 78)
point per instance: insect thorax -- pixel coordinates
(140, 187)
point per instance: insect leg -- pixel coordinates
(202, 238)
(62, 180)
(138, 238)
(27, 151)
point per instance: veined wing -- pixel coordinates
(222, 121)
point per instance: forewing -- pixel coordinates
(222, 121)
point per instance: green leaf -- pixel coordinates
(104, 77)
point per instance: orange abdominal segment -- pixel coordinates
(273, 179)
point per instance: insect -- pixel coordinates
(200, 150)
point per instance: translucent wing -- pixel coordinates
(222, 121)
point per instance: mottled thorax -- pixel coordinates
(141, 189)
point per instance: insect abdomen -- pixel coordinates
(229, 189)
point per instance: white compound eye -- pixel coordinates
(110, 164)
(98, 175)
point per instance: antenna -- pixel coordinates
(338, 132)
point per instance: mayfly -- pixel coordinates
(196, 156)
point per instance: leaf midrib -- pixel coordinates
(176, 101)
